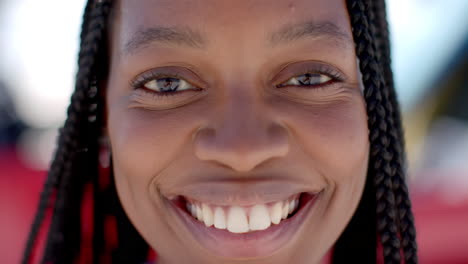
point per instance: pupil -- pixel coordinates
(168, 84)
(308, 79)
(304, 79)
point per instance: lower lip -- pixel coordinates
(255, 244)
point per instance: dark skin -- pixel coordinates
(267, 97)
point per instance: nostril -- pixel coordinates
(241, 160)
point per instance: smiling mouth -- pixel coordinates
(242, 219)
(235, 231)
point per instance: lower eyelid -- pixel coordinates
(145, 100)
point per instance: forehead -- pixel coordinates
(226, 12)
(207, 22)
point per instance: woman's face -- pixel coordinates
(238, 128)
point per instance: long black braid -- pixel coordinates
(380, 122)
(67, 144)
(397, 202)
(403, 203)
(384, 210)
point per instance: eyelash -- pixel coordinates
(334, 75)
(140, 82)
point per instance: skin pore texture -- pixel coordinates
(240, 130)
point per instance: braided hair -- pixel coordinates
(383, 217)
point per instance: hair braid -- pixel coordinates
(403, 203)
(405, 215)
(85, 20)
(69, 143)
(54, 178)
(379, 30)
(380, 122)
(44, 203)
(66, 225)
(64, 153)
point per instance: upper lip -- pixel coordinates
(241, 193)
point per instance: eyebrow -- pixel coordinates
(310, 29)
(171, 35)
(185, 36)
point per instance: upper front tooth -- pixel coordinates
(259, 218)
(207, 215)
(237, 220)
(275, 213)
(219, 219)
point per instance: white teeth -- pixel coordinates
(291, 206)
(199, 213)
(207, 215)
(237, 220)
(192, 209)
(259, 218)
(219, 218)
(296, 204)
(275, 213)
(285, 210)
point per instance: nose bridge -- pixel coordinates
(243, 135)
(243, 116)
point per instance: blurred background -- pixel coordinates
(38, 47)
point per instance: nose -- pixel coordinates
(242, 137)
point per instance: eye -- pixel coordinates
(307, 79)
(168, 85)
(166, 81)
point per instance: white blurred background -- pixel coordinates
(38, 48)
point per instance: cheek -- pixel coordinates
(143, 145)
(144, 142)
(335, 138)
(335, 142)
(338, 146)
